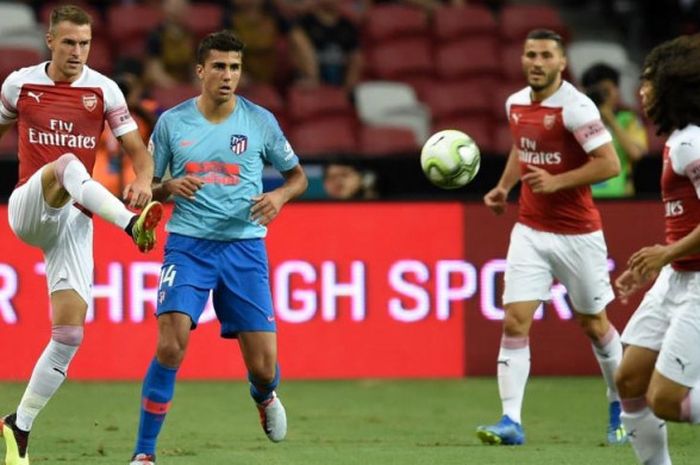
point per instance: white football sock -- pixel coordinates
(690, 407)
(48, 375)
(648, 436)
(93, 195)
(609, 356)
(513, 371)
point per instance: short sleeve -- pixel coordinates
(582, 119)
(686, 160)
(116, 111)
(159, 146)
(278, 150)
(9, 94)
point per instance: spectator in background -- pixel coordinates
(112, 169)
(258, 26)
(346, 181)
(601, 83)
(171, 47)
(326, 47)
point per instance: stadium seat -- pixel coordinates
(464, 98)
(502, 139)
(511, 66)
(8, 144)
(399, 59)
(377, 141)
(308, 103)
(264, 95)
(171, 96)
(390, 21)
(130, 24)
(500, 93)
(100, 57)
(479, 129)
(12, 59)
(470, 56)
(516, 20)
(331, 137)
(203, 18)
(451, 23)
(387, 103)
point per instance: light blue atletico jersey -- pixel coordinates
(228, 157)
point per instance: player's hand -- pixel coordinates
(628, 283)
(139, 193)
(648, 261)
(266, 207)
(496, 200)
(183, 187)
(540, 180)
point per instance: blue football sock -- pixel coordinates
(260, 392)
(157, 392)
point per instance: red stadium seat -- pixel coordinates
(376, 141)
(264, 95)
(171, 96)
(517, 20)
(8, 144)
(511, 66)
(100, 57)
(132, 22)
(390, 21)
(316, 139)
(479, 129)
(502, 140)
(307, 103)
(471, 97)
(500, 93)
(12, 58)
(450, 23)
(471, 56)
(204, 18)
(401, 59)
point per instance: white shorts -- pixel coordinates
(668, 321)
(63, 234)
(578, 261)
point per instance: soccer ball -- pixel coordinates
(450, 159)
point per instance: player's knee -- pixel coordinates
(515, 326)
(60, 165)
(664, 406)
(263, 373)
(170, 353)
(68, 335)
(628, 383)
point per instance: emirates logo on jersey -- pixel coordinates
(90, 101)
(549, 121)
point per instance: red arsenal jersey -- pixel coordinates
(680, 190)
(54, 118)
(556, 135)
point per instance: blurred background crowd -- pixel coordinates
(358, 85)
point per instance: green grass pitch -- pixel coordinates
(366, 422)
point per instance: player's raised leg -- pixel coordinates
(607, 349)
(259, 351)
(67, 176)
(159, 384)
(513, 372)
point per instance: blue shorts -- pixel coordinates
(236, 272)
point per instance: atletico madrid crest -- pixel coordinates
(239, 143)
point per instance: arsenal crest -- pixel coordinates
(239, 143)
(90, 101)
(549, 121)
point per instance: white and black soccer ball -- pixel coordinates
(450, 159)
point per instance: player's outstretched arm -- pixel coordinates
(139, 192)
(267, 206)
